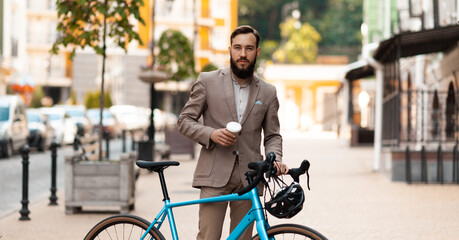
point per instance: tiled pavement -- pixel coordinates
(347, 200)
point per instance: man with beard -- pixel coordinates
(226, 95)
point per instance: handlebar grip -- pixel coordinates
(253, 184)
(295, 173)
(260, 168)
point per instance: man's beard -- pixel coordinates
(245, 72)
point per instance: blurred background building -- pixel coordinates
(28, 29)
(52, 72)
(409, 69)
(206, 23)
(12, 41)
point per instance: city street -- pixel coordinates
(39, 176)
(347, 200)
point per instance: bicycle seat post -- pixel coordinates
(163, 185)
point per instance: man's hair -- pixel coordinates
(243, 30)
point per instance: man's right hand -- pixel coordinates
(223, 137)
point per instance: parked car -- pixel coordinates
(65, 128)
(131, 116)
(109, 121)
(78, 114)
(164, 120)
(13, 124)
(41, 133)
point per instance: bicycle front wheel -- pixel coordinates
(292, 231)
(123, 227)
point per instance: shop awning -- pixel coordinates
(358, 70)
(409, 44)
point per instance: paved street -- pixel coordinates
(347, 200)
(39, 176)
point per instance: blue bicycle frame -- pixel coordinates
(254, 214)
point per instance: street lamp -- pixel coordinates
(151, 76)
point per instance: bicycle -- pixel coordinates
(133, 227)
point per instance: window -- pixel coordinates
(436, 115)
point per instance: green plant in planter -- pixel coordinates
(175, 56)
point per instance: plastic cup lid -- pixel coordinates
(233, 127)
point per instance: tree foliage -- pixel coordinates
(209, 67)
(337, 21)
(175, 55)
(268, 48)
(301, 44)
(340, 25)
(81, 24)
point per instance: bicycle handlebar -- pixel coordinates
(266, 166)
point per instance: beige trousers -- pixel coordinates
(212, 215)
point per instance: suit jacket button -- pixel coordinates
(235, 152)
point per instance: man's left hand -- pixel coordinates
(281, 168)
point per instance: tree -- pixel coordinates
(268, 47)
(301, 44)
(209, 67)
(341, 23)
(337, 21)
(175, 55)
(86, 23)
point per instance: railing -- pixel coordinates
(427, 121)
(420, 117)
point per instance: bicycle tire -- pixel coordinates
(123, 227)
(292, 231)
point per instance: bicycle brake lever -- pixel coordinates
(270, 158)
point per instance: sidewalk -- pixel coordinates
(347, 200)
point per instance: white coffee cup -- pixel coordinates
(234, 128)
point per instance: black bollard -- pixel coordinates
(440, 165)
(408, 165)
(76, 143)
(25, 184)
(133, 140)
(455, 165)
(107, 144)
(123, 136)
(424, 165)
(53, 197)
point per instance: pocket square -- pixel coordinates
(258, 102)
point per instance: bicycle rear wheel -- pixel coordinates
(123, 227)
(292, 231)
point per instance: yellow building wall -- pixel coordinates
(205, 31)
(234, 14)
(304, 94)
(144, 30)
(205, 8)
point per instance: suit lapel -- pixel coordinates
(228, 90)
(253, 94)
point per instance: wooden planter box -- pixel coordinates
(99, 183)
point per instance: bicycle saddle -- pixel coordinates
(155, 166)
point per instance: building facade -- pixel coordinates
(416, 92)
(206, 23)
(306, 94)
(12, 42)
(52, 72)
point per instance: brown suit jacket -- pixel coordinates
(212, 97)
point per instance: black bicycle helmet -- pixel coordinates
(286, 202)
